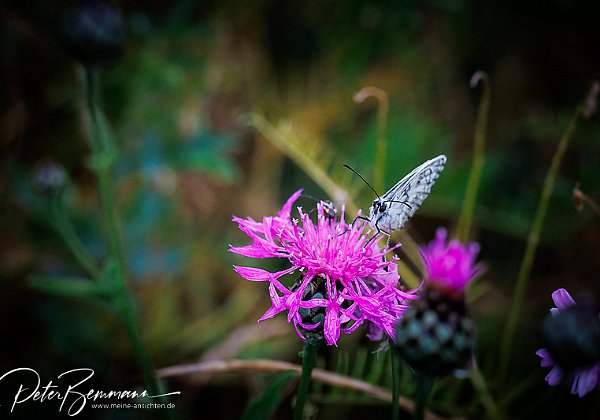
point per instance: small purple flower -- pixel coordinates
(449, 266)
(584, 378)
(343, 274)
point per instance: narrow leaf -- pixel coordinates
(263, 406)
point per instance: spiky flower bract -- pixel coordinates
(436, 335)
(344, 278)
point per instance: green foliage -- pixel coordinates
(264, 405)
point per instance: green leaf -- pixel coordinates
(263, 406)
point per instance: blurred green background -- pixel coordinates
(177, 103)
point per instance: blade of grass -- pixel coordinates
(264, 405)
(290, 146)
(292, 149)
(466, 215)
(483, 391)
(382, 115)
(533, 240)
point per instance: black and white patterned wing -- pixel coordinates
(404, 198)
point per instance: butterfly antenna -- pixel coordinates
(401, 202)
(310, 197)
(364, 180)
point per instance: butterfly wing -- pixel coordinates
(404, 198)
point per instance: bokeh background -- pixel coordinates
(178, 102)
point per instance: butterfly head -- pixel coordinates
(379, 206)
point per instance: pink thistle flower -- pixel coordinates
(344, 280)
(449, 267)
(576, 342)
(436, 335)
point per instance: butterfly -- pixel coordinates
(392, 210)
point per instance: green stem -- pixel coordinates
(424, 387)
(532, 243)
(102, 150)
(382, 115)
(122, 298)
(126, 308)
(466, 216)
(65, 229)
(480, 384)
(395, 384)
(67, 286)
(309, 357)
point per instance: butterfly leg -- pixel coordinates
(354, 221)
(379, 230)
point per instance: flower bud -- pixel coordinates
(312, 316)
(49, 178)
(92, 32)
(572, 336)
(436, 334)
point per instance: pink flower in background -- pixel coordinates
(449, 266)
(583, 379)
(436, 335)
(343, 277)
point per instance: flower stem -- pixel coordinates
(382, 115)
(395, 384)
(102, 162)
(466, 215)
(532, 243)
(121, 296)
(309, 357)
(480, 384)
(423, 389)
(62, 224)
(127, 313)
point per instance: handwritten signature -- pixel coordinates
(72, 397)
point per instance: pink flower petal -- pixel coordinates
(251, 251)
(331, 329)
(284, 213)
(451, 266)
(562, 299)
(258, 274)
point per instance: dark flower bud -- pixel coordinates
(92, 32)
(572, 336)
(313, 317)
(436, 334)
